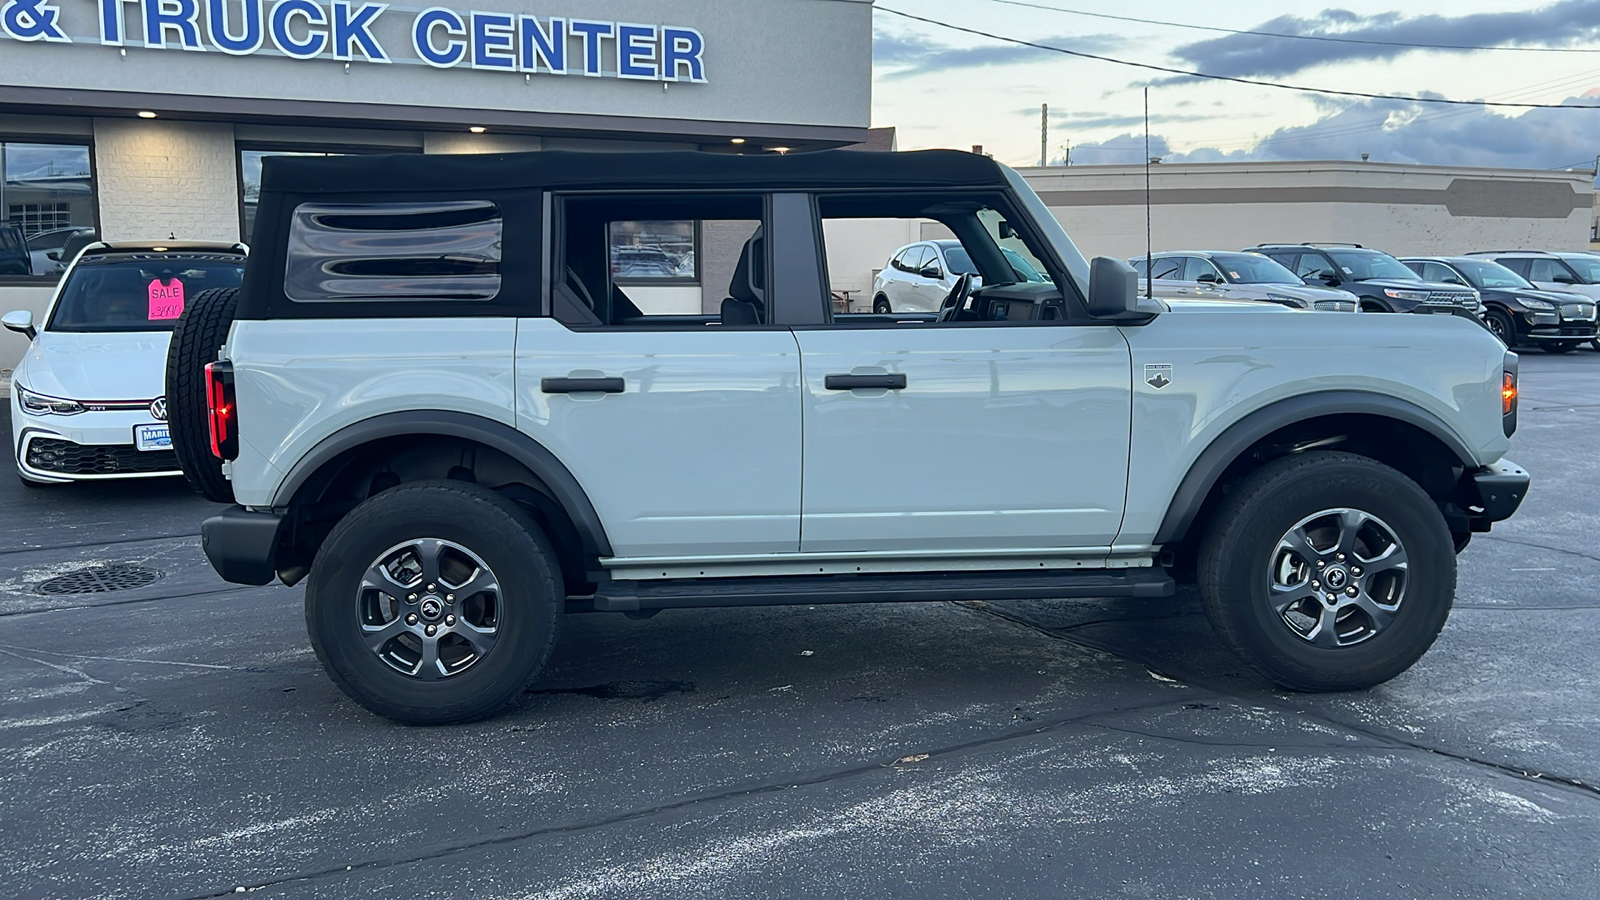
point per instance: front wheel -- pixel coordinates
(434, 602)
(880, 305)
(1327, 571)
(1501, 326)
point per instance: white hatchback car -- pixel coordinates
(919, 276)
(86, 399)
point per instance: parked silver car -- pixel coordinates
(919, 276)
(1213, 275)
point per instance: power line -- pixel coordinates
(1297, 37)
(1236, 80)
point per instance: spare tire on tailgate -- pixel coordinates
(196, 340)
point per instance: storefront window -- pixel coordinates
(654, 252)
(46, 197)
(250, 181)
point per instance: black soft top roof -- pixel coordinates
(574, 170)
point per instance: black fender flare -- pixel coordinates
(496, 435)
(1241, 435)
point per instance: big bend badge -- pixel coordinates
(1158, 376)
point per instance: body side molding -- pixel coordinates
(496, 435)
(1239, 436)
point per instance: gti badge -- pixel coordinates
(158, 409)
(1158, 376)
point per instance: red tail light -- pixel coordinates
(221, 412)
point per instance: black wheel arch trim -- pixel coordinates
(1241, 435)
(496, 435)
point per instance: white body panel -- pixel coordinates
(300, 380)
(700, 454)
(988, 445)
(1226, 366)
(125, 366)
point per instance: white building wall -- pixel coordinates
(160, 179)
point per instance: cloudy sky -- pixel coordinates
(944, 88)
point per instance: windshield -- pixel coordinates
(1252, 268)
(958, 260)
(1066, 251)
(1022, 267)
(1492, 275)
(138, 292)
(1359, 265)
(1587, 267)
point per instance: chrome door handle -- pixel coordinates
(892, 382)
(581, 385)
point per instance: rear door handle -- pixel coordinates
(894, 382)
(581, 385)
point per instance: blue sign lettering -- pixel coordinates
(348, 30)
(32, 20)
(593, 33)
(682, 49)
(539, 45)
(354, 32)
(636, 51)
(222, 37)
(161, 16)
(315, 41)
(454, 29)
(493, 41)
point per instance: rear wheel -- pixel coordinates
(1328, 571)
(880, 305)
(434, 602)
(196, 339)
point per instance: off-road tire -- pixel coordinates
(196, 339)
(507, 540)
(1237, 553)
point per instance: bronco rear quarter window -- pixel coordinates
(442, 250)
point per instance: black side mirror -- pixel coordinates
(1114, 293)
(931, 270)
(1209, 278)
(53, 255)
(1565, 279)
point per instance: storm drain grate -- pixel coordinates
(100, 579)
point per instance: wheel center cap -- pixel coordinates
(1336, 577)
(431, 609)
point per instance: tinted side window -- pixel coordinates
(1198, 267)
(1313, 266)
(1436, 272)
(1519, 266)
(1168, 267)
(448, 250)
(1547, 270)
(1287, 260)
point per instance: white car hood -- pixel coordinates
(1218, 305)
(116, 366)
(1306, 292)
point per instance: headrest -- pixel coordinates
(750, 275)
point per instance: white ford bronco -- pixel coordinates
(463, 396)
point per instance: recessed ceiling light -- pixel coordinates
(738, 140)
(477, 129)
(146, 114)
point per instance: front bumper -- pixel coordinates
(1487, 495)
(242, 544)
(90, 446)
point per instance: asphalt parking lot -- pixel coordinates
(179, 739)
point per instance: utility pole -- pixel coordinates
(1066, 154)
(1044, 135)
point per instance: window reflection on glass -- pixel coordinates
(250, 181)
(46, 197)
(654, 252)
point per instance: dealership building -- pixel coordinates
(148, 119)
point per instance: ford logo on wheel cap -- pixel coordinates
(158, 409)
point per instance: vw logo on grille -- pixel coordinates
(158, 409)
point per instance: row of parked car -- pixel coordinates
(1526, 297)
(41, 253)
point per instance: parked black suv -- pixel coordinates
(1517, 312)
(1382, 282)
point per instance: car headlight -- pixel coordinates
(1406, 295)
(41, 405)
(1287, 300)
(1541, 305)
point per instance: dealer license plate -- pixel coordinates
(152, 437)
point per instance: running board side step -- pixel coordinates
(631, 596)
